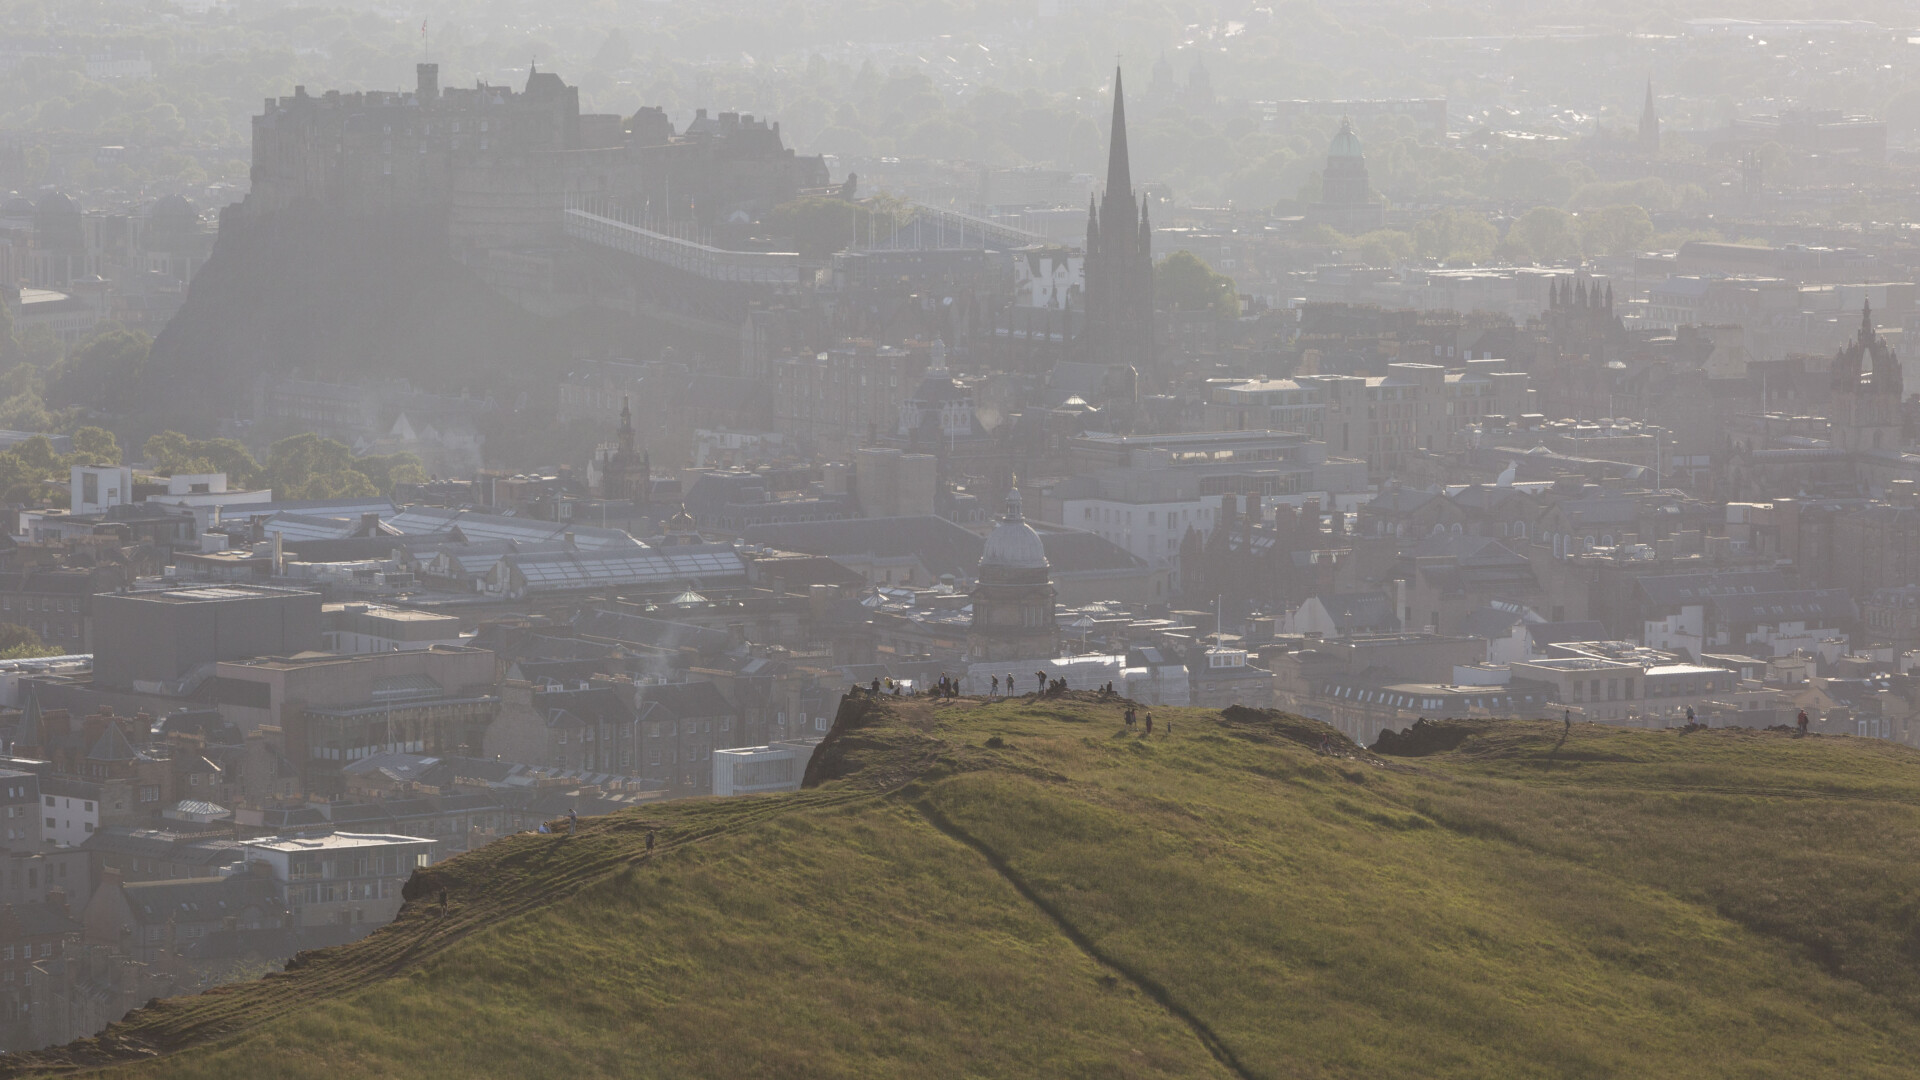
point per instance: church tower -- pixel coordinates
(1119, 263)
(625, 473)
(1865, 391)
(1649, 126)
(1012, 593)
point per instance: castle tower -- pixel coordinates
(1649, 125)
(1119, 263)
(1865, 391)
(1012, 593)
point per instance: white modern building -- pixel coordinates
(95, 488)
(757, 770)
(1149, 530)
(1140, 675)
(345, 879)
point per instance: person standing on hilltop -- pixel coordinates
(996, 686)
(1149, 725)
(1040, 680)
(1802, 721)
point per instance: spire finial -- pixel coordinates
(1119, 171)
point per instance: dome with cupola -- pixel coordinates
(1013, 545)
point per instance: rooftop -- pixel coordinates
(333, 842)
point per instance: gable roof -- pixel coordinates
(686, 699)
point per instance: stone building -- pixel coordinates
(1012, 596)
(1346, 200)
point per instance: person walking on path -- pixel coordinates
(649, 839)
(573, 820)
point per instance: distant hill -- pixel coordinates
(1027, 889)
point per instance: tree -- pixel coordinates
(823, 224)
(310, 467)
(384, 471)
(1615, 230)
(1184, 282)
(1456, 236)
(171, 452)
(95, 446)
(20, 643)
(1543, 234)
(1383, 247)
(105, 372)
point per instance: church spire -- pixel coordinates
(1119, 173)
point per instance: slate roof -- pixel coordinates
(598, 705)
(191, 848)
(43, 920)
(1489, 623)
(686, 699)
(942, 546)
(1360, 611)
(1678, 589)
(194, 900)
(1826, 606)
(655, 633)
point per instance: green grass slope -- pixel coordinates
(1496, 899)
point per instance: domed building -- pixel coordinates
(1346, 201)
(1012, 593)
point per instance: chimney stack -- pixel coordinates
(427, 76)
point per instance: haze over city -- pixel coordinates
(995, 538)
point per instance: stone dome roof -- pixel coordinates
(1013, 545)
(1345, 143)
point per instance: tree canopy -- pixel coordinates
(1184, 282)
(104, 372)
(823, 224)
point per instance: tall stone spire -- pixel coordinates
(1119, 172)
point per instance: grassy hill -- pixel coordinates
(1025, 889)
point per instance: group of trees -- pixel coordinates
(1184, 282)
(1544, 234)
(304, 466)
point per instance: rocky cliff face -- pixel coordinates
(308, 292)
